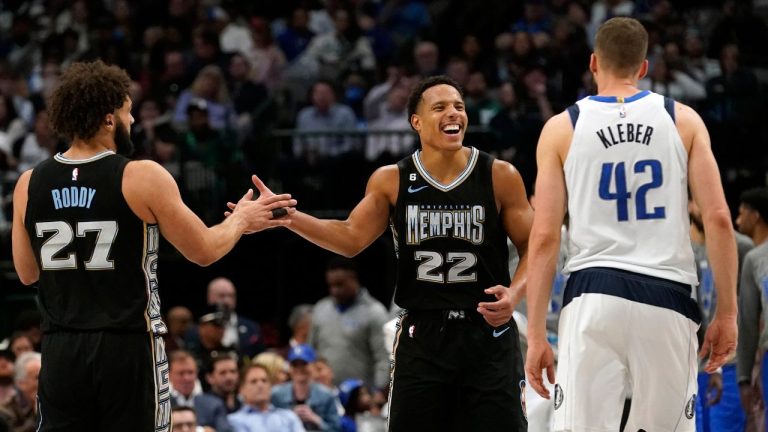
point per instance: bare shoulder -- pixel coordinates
(146, 184)
(689, 125)
(504, 172)
(385, 180)
(22, 184)
(557, 133)
(20, 193)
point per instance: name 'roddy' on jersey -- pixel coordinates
(448, 237)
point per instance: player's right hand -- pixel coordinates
(258, 213)
(539, 358)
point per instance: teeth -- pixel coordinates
(451, 128)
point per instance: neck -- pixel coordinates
(760, 235)
(83, 149)
(610, 85)
(261, 405)
(301, 388)
(445, 164)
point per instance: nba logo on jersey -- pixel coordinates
(622, 112)
(75, 173)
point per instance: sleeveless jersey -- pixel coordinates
(449, 239)
(626, 174)
(97, 259)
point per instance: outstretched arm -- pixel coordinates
(544, 244)
(154, 196)
(365, 223)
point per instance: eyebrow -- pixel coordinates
(447, 102)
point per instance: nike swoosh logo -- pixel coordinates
(411, 189)
(497, 333)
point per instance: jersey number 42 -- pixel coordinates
(614, 176)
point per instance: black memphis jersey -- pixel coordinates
(97, 259)
(449, 239)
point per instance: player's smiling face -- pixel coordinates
(440, 118)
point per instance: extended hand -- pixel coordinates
(259, 214)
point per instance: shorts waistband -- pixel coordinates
(447, 314)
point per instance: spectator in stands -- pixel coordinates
(179, 322)
(186, 391)
(239, 332)
(394, 117)
(481, 106)
(314, 403)
(7, 389)
(184, 419)
(20, 344)
(11, 125)
(223, 377)
(39, 144)
(347, 327)
(20, 411)
(426, 58)
(265, 57)
(300, 322)
(205, 343)
(323, 115)
(275, 365)
(357, 401)
(258, 414)
(295, 38)
(323, 373)
(672, 83)
(210, 86)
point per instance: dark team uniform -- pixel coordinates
(452, 370)
(103, 359)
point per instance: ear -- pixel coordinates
(109, 120)
(593, 63)
(643, 69)
(416, 122)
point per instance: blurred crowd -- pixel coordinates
(311, 95)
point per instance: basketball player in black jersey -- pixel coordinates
(457, 364)
(85, 227)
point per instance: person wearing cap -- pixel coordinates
(206, 343)
(314, 403)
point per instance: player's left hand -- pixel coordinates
(499, 312)
(719, 342)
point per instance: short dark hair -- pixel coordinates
(757, 200)
(622, 44)
(86, 93)
(341, 263)
(219, 356)
(247, 369)
(426, 84)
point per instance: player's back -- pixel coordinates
(626, 178)
(97, 259)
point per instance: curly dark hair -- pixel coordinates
(426, 84)
(86, 93)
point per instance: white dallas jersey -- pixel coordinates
(626, 175)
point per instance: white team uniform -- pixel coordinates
(628, 328)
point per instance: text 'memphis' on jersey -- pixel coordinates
(626, 175)
(97, 259)
(449, 238)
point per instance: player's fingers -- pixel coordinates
(705, 348)
(227, 214)
(551, 374)
(281, 203)
(274, 198)
(231, 205)
(259, 184)
(247, 196)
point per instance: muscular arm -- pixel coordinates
(153, 195)
(23, 256)
(365, 223)
(544, 243)
(707, 192)
(516, 216)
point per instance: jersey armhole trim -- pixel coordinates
(573, 111)
(669, 105)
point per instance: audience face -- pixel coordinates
(397, 99)
(301, 371)
(28, 383)
(179, 320)
(224, 377)
(238, 68)
(20, 345)
(323, 373)
(256, 390)
(221, 291)
(343, 285)
(426, 57)
(184, 421)
(183, 374)
(6, 371)
(211, 334)
(322, 96)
